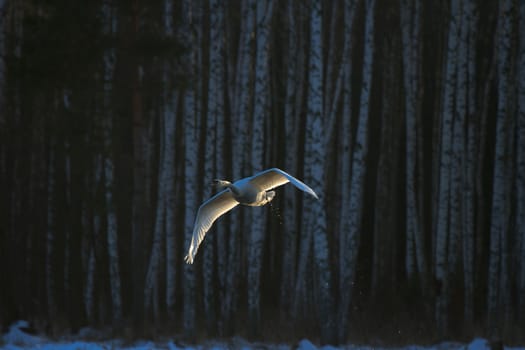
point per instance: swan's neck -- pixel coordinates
(233, 188)
(227, 184)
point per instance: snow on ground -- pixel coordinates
(17, 339)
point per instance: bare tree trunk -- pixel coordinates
(264, 11)
(243, 95)
(217, 98)
(140, 218)
(348, 254)
(214, 113)
(416, 262)
(3, 54)
(67, 227)
(114, 269)
(50, 236)
(346, 159)
(315, 154)
(466, 106)
(90, 224)
(442, 234)
(192, 115)
(385, 249)
(152, 275)
(520, 169)
(109, 28)
(498, 227)
(170, 110)
(294, 93)
(169, 197)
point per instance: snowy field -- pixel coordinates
(16, 339)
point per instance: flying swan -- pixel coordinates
(252, 191)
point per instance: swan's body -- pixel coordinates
(252, 191)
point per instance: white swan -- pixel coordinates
(252, 191)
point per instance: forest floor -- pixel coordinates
(17, 339)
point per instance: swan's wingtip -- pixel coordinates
(188, 259)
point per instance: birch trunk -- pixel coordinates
(192, 116)
(442, 234)
(111, 219)
(346, 155)
(91, 225)
(98, 245)
(170, 103)
(3, 54)
(216, 98)
(348, 256)
(520, 170)
(302, 279)
(67, 228)
(315, 174)
(140, 208)
(169, 198)
(240, 93)
(259, 116)
(243, 94)
(458, 142)
(152, 274)
(384, 279)
(294, 94)
(416, 264)
(191, 136)
(50, 235)
(214, 110)
(466, 82)
(498, 218)
(109, 28)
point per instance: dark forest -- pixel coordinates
(406, 117)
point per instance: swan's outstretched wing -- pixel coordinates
(271, 178)
(209, 211)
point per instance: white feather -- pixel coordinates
(250, 191)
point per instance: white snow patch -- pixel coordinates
(16, 336)
(17, 339)
(478, 344)
(305, 344)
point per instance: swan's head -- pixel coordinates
(220, 184)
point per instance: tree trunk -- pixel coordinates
(416, 262)
(520, 169)
(3, 54)
(316, 152)
(466, 106)
(170, 110)
(213, 114)
(170, 199)
(442, 234)
(385, 276)
(50, 237)
(295, 90)
(346, 162)
(152, 275)
(109, 28)
(140, 216)
(192, 116)
(259, 117)
(348, 255)
(498, 226)
(114, 269)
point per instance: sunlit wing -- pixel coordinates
(208, 212)
(272, 178)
